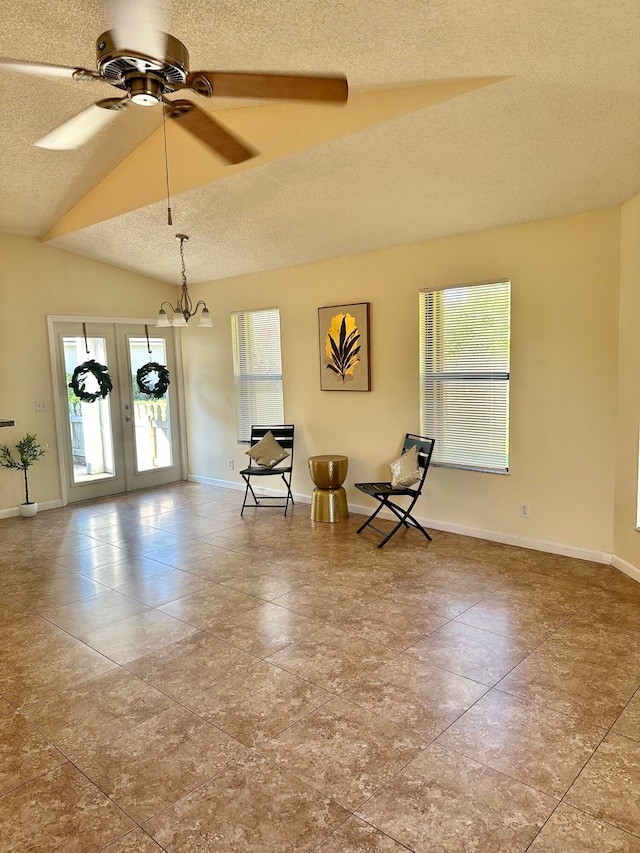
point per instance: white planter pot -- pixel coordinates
(28, 510)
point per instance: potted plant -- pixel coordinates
(29, 452)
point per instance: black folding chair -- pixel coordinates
(384, 493)
(283, 434)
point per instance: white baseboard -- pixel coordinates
(627, 568)
(504, 538)
(211, 481)
(42, 507)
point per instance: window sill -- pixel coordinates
(503, 473)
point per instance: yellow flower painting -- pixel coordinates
(342, 345)
(343, 339)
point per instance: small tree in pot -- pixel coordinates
(29, 452)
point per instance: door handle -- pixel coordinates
(127, 418)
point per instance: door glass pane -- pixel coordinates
(91, 434)
(151, 416)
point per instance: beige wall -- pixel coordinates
(626, 537)
(565, 275)
(37, 280)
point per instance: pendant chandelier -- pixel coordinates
(183, 310)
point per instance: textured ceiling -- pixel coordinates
(560, 135)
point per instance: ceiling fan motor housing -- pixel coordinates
(145, 78)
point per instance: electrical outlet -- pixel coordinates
(41, 406)
(524, 510)
(232, 464)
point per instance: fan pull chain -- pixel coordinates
(166, 163)
(84, 332)
(146, 331)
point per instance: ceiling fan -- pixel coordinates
(147, 65)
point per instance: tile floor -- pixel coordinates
(174, 677)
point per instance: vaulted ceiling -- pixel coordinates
(462, 116)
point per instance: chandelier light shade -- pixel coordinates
(182, 312)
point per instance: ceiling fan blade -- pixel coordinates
(43, 68)
(80, 128)
(296, 87)
(209, 131)
(140, 25)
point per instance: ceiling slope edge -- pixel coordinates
(275, 129)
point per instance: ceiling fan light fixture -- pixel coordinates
(144, 100)
(144, 89)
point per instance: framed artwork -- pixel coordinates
(344, 347)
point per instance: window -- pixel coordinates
(464, 375)
(257, 364)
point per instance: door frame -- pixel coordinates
(58, 414)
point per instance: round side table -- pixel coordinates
(329, 499)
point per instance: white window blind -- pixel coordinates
(464, 375)
(257, 364)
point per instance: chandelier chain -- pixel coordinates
(184, 271)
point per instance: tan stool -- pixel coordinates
(329, 500)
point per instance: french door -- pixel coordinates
(128, 440)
